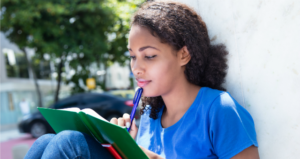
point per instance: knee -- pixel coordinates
(45, 139)
(71, 144)
(42, 141)
(69, 137)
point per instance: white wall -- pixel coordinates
(263, 40)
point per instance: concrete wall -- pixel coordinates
(263, 40)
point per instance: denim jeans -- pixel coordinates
(67, 145)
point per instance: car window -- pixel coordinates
(68, 102)
(93, 99)
(118, 95)
(129, 96)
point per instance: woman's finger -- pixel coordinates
(121, 122)
(126, 118)
(114, 121)
(133, 130)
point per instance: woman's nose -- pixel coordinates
(137, 68)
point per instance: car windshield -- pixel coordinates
(68, 102)
(93, 98)
(127, 94)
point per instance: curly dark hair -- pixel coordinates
(179, 25)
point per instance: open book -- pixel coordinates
(91, 123)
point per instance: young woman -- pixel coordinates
(186, 112)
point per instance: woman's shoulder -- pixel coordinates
(212, 93)
(209, 96)
(219, 101)
(221, 104)
(231, 127)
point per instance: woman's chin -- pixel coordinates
(150, 94)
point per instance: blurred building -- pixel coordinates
(118, 77)
(16, 82)
(17, 89)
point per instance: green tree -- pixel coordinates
(79, 29)
(117, 44)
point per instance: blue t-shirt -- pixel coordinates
(215, 126)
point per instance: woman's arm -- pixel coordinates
(249, 153)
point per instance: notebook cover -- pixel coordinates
(110, 133)
(61, 120)
(118, 137)
(111, 149)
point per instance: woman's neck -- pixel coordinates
(179, 99)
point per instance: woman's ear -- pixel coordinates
(183, 56)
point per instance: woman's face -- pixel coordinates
(154, 64)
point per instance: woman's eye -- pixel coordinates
(150, 57)
(132, 57)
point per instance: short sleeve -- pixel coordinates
(231, 127)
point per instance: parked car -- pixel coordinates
(106, 105)
(129, 94)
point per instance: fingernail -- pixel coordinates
(127, 124)
(126, 115)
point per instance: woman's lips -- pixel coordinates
(142, 82)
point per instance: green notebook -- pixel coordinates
(89, 122)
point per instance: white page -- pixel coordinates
(93, 113)
(74, 109)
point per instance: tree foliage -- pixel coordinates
(79, 32)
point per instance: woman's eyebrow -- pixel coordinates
(146, 47)
(143, 48)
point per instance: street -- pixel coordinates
(11, 138)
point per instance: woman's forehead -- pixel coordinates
(141, 36)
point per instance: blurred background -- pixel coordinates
(63, 53)
(59, 54)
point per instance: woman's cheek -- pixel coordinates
(159, 83)
(152, 89)
(161, 76)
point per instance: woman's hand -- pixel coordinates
(151, 154)
(125, 121)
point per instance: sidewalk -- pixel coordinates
(8, 127)
(11, 137)
(8, 132)
(6, 148)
